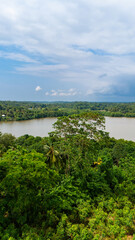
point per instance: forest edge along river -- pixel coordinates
(118, 127)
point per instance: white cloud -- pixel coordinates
(51, 27)
(62, 93)
(53, 93)
(63, 33)
(38, 88)
(41, 69)
(47, 93)
(17, 57)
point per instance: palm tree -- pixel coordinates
(52, 155)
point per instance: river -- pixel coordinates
(117, 127)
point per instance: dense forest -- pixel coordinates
(78, 183)
(30, 110)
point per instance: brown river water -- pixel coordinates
(117, 127)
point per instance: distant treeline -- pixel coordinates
(11, 110)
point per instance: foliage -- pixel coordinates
(30, 110)
(6, 141)
(86, 125)
(75, 184)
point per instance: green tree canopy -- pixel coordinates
(89, 125)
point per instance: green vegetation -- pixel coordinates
(75, 184)
(30, 110)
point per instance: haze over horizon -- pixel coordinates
(67, 50)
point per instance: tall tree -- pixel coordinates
(89, 125)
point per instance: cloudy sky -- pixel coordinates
(59, 50)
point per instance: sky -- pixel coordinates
(75, 50)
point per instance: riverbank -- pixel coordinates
(10, 111)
